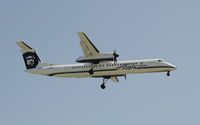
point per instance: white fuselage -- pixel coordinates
(103, 69)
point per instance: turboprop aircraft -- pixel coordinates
(93, 64)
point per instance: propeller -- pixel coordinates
(115, 56)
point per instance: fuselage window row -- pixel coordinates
(107, 65)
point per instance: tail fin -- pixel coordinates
(29, 54)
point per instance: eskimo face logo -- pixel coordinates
(30, 60)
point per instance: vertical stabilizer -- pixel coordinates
(29, 54)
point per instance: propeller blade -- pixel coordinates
(115, 56)
(115, 53)
(115, 59)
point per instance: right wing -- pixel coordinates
(88, 48)
(114, 78)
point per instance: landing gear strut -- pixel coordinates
(103, 84)
(168, 73)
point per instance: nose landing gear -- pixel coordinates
(168, 73)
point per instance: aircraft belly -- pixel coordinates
(76, 75)
(147, 70)
(132, 71)
(109, 73)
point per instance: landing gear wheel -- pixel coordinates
(104, 82)
(168, 73)
(91, 71)
(103, 86)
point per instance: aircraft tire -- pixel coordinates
(91, 72)
(103, 86)
(168, 73)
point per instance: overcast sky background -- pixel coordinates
(138, 29)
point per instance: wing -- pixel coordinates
(88, 48)
(114, 79)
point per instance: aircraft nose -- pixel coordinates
(172, 66)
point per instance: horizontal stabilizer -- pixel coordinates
(24, 46)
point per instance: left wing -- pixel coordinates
(88, 48)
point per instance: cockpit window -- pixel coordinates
(160, 60)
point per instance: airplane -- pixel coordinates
(93, 64)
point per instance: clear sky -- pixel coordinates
(138, 29)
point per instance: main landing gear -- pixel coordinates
(91, 72)
(103, 84)
(168, 73)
